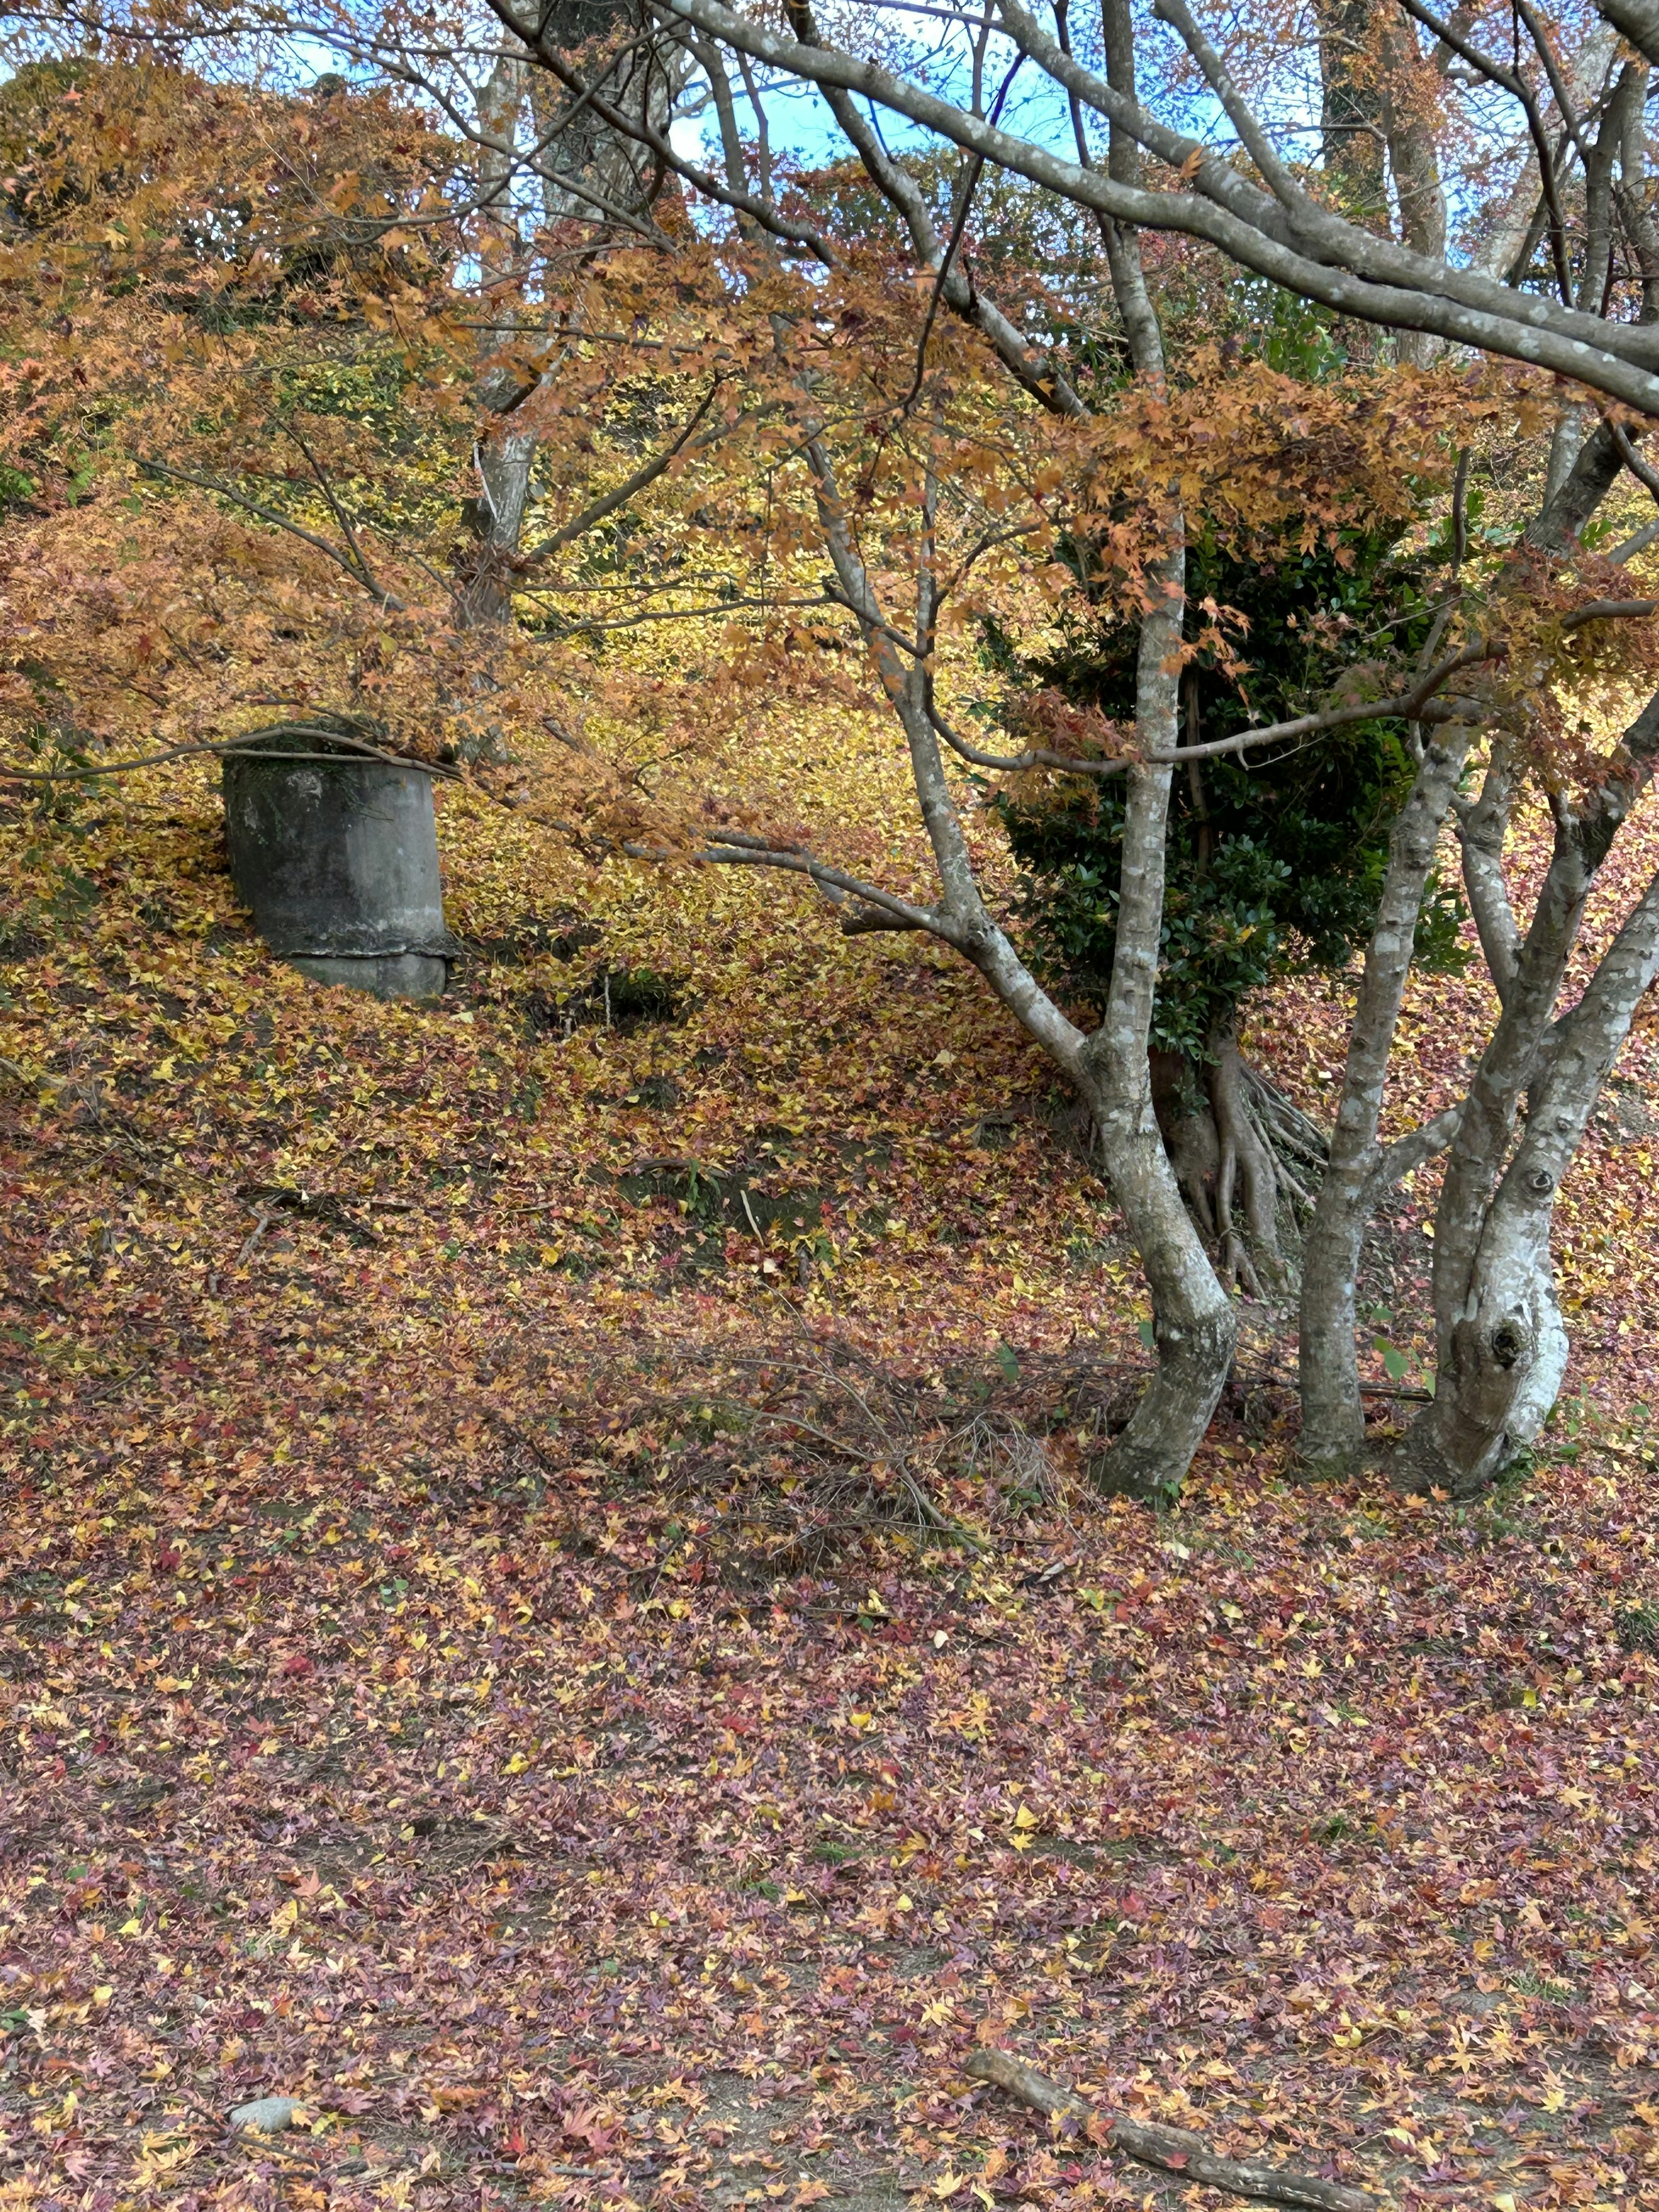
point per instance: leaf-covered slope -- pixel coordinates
(433, 1691)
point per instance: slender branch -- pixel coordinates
(1460, 513)
(1175, 2150)
(784, 228)
(1405, 1154)
(1406, 706)
(283, 522)
(1607, 611)
(597, 510)
(1322, 256)
(1643, 472)
(1253, 139)
(239, 749)
(736, 851)
(365, 575)
(1512, 82)
(1638, 542)
(720, 608)
(975, 164)
(1044, 382)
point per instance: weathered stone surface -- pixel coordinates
(337, 857)
(267, 2115)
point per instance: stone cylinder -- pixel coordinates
(337, 855)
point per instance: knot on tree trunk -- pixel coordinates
(1510, 1340)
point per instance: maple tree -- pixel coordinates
(1500, 1344)
(554, 1615)
(736, 306)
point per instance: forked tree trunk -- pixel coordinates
(1527, 977)
(1500, 1346)
(1503, 1348)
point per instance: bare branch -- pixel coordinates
(1173, 2149)
(1416, 1149)
(737, 851)
(241, 748)
(1643, 472)
(1320, 255)
(282, 521)
(597, 510)
(1408, 705)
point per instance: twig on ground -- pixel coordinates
(1174, 2149)
(1366, 1390)
(259, 1228)
(498, 1419)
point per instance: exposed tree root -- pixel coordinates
(1247, 1160)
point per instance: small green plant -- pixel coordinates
(1396, 1363)
(1536, 1985)
(1636, 1627)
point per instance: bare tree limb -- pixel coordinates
(1318, 254)
(1175, 2150)
(1643, 472)
(1406, 706)
(1414, 1150)
(597, 510)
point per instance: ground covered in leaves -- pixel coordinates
(552, 1610)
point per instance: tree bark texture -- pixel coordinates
(1500, 1344)
(1505, 1346)
(1332, 1422)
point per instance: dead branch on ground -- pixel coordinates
(1176, 2150)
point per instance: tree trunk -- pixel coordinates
(1195, 1327)
(1333, 1420)
(1497, 1333)
(503, 458)
(1504, 1348)
(589, 173)
(1193, 1322)
(1408, 97)
(1351, 117)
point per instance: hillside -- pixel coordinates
(552, 1613)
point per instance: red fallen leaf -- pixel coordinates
(297, 1663)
